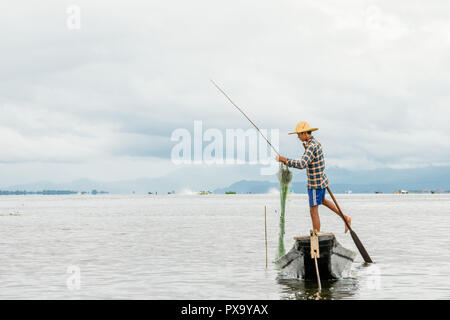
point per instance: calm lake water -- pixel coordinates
(212, 247)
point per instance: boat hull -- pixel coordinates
(334, 259)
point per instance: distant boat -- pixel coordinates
(348, 191)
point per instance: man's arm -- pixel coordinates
(303, 162)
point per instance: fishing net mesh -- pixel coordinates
(284, 177)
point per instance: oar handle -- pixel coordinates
(339, 209)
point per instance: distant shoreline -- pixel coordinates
(48, 192)
(12, 193)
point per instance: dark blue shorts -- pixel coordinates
(316, 196)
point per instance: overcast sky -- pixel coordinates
(101, 102)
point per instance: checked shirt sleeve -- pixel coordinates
(306, 159)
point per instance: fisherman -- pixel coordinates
(314, 163)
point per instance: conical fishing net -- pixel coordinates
(285, 177)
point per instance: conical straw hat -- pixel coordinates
(303, 126)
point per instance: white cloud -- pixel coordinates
(373, 76)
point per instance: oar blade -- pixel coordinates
(355, 238)
(360, 247)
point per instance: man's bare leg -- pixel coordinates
(330, 205)
(314, 211)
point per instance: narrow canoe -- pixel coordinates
(333, 262)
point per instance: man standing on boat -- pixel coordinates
(314, 163)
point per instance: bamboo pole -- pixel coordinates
(265, 230)
(240, 110)
(315, 254)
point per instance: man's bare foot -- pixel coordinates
(349, 221)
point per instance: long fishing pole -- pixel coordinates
(229, 99)
(284, 177)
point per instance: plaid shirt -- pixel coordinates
(314, 163)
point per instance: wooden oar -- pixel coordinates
(355, 238)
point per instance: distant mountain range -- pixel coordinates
(187, 179)
(247, 178)
(364, 181)
(245, 186)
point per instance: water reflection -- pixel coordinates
(297, 289)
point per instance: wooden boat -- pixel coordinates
(333, 262)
